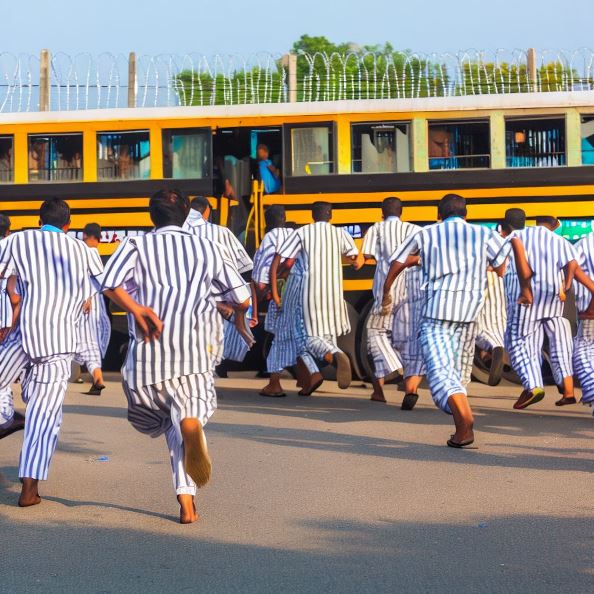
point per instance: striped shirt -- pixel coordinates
(547, 254)
(196, 225)
(265, 253)
(584, 249)
(180, 277)
(5, 306)
(320, 246)
(454, 259)
(55, 274)
(380, 242)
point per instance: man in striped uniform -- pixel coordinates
(454, 259)
(10, 420)
(552, 262)
(491, 324)
(54, 273)
(232, 344)
(380, 242)
(94, 329)
(321, 247)
(167, 375)
(583, 352)
(275, 236)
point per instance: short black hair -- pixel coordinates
(169, 207)
(275, 216)
(548, 221)
(4, 225)
(392, 207)
(200, 203)
(451, 205)
(321, 211)
(55, 212)
(93, 230)
(514, 220)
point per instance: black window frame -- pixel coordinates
(50, 179)
(457, 122)
(288, 147)
(10, 170)
(166, 139)
(122, 132)
(395, 124)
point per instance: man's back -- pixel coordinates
(584, 249)
(454, 260)
(54, 272)
(547, 254)
(178, 276)
(196, 225)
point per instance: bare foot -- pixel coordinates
(197, 461)
(187, 509)
(378, 397)
(29, 493)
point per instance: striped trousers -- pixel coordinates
(6, 407)
(235, 347)
(524, 340)
(93, 333)
(160, 408)
(405, 334)
(583, 359)
(43, 390)
(448, 350)
(382, 352)
(492, 318)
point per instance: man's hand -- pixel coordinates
(4, 332)
(526, 298)
(386, 305)
(148, 322)
(88, 306)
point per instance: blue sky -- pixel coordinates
(233, 26)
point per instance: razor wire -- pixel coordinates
(84, 81)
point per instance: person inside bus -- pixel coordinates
(267, 172)
(439, 148)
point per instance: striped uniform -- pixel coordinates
(492, 320)
(94, 329)
(583, 353)
(55, 275)
(454, 259)
(6, 403)
(547, 254)
(320, 246)
(169, 379)
(231, 344)
(380, 242)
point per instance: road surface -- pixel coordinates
(332, 493)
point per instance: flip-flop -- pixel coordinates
(537, 395)
(409, 401)
(565, 401)
(273, 395)
(312, 388)
(459, 444)
(95, 390)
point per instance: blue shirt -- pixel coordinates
(51, 228)
(272, 183)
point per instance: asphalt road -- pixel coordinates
(328, 494)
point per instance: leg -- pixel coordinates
(524, 340)
(384, 357)
(558, 331)
(13, 361)
(274, 388)
(583, 359)
(442, 343)
(89, 352)
(324, 348)
(43, 392)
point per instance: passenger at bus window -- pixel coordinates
(267, 172)
(37, 159)
(5, 164)
(439, 148)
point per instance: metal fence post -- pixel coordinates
(532, 70)
(44, 80)
(289, 61)
(132, 80)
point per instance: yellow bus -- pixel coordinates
(532, 150)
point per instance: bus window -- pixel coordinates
(459, 145)
(535, 142)
(56, 157)
(380, 147)
(588, 140)
(123, 155)
(312, 150)
(186, 153)
(6, 159)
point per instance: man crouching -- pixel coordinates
(169, 282)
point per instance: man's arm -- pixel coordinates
(523, 270)
(146, 319)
